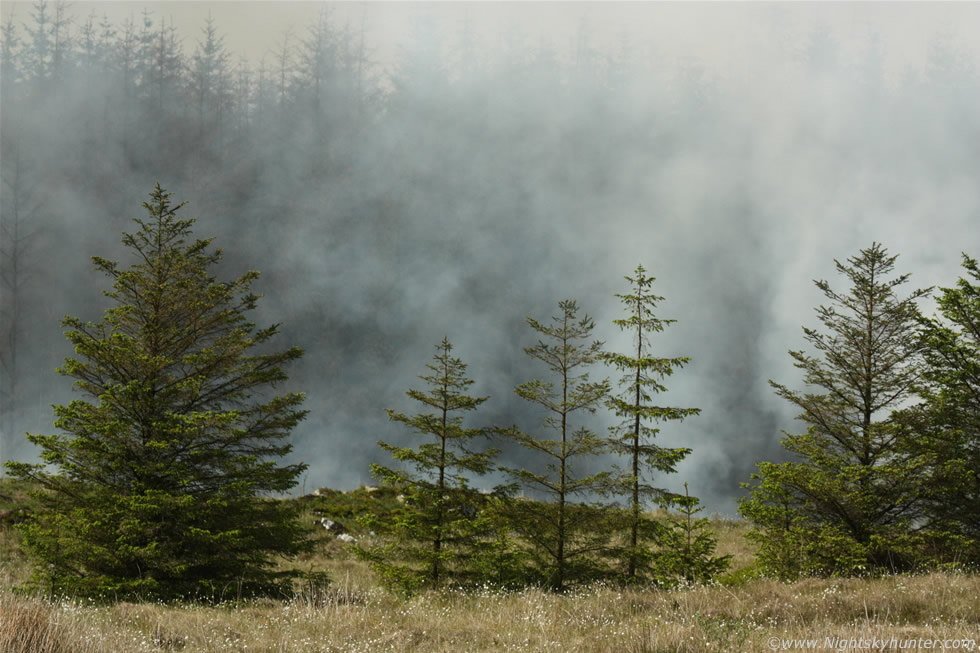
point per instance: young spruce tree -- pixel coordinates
(687, 545)
(158, 487)
(643, 375)
(433, 538)
(849, 501)
(563, 535)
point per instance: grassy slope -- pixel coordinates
(354, 615)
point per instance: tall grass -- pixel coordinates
(353, 614)
(936, 606)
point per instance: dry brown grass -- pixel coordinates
(593, 620)
(31, 626)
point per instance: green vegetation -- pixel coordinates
(944, 429)
(353, 614)
(564, 538)
(644, 374)
(438, 528)
(863, 494)
(686, 545)
(158, 487)
(161, 486)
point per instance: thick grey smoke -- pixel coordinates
(455, 176)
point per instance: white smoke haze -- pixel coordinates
(491, 159)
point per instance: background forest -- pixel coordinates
(467, 176)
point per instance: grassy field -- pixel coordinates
(353, 614)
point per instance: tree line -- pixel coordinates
(159, 484)
(317, 129)
(156, 485)
(886, 477)
(91, 106)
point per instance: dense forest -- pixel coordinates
(462, 187)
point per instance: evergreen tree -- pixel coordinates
(145, 50)
(104, 48)
(62, 44)
(38, 55)
(315, 85)
(434, 535)
(165, 74)
(283, 71)
(127, 60)
(242, 98)
(162, 86)
(211, 84)
(159, 485)
(10, 56)
(316, 64)
(687, 545)
(643, 374)
(848, 503)
(945, 426)
(563, 535)
(88, 46)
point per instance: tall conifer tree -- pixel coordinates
(157, 487)
(643, 376)
(435, 534)
(848, 502)
(565, 536)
